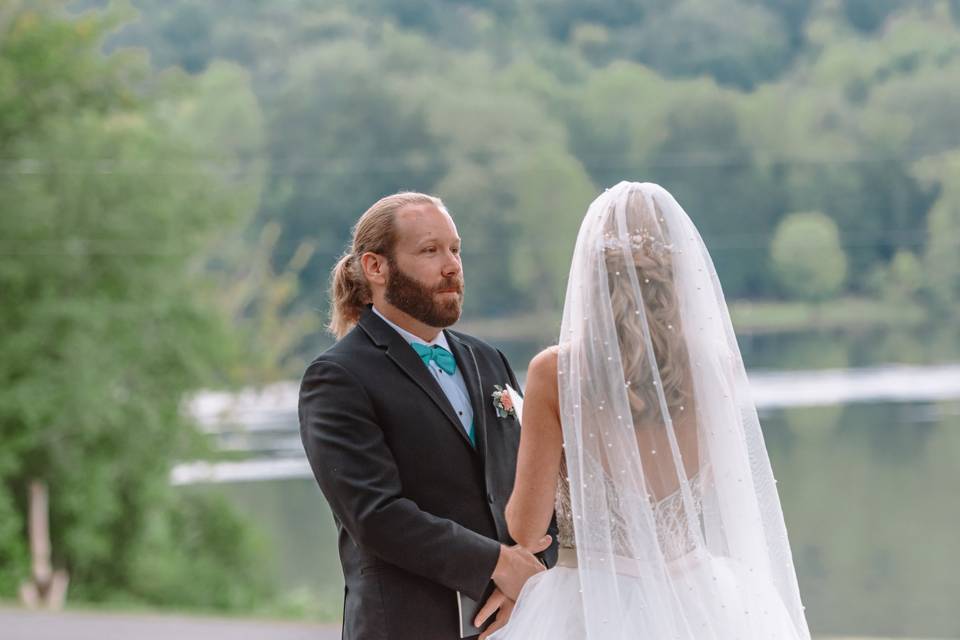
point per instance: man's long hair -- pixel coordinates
(374, 232)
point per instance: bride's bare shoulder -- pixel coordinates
(543, 367)
(543, 388)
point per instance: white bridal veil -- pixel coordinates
(678, 526)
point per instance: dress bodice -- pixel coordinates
(673, 533)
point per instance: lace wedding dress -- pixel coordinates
(670, 525)
(740, 606)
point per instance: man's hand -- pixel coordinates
(515, 566)
(498, 603)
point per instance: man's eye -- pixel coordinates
(456, 250)
(431, 250)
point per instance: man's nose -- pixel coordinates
(452, 265)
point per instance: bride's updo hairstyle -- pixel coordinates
(650, 256)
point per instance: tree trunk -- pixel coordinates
(47, 589)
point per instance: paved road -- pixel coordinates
(19, 624)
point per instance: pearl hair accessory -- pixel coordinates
(641, 240)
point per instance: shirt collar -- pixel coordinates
(440, 340)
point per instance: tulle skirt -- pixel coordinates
(720, 600)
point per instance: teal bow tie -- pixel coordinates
(438, 354)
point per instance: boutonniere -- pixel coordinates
(503, 402)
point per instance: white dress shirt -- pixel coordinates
(453, 386)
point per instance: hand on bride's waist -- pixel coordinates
(516, 565)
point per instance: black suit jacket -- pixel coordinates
(419, 510)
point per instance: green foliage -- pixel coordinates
(905, 278)
(341, 137)
(14, 555)
(198, 555)
(509, 184)
(261, 300)
(711, 171)
(869, 15)
(797, 106)
(108, 205)
(942, 258)
(739, 44)
(545, 186)
(807, 256)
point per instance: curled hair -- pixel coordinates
(654, 270)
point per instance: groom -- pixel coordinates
(403, 436)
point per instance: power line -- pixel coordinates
(898, 237)
(317, 164)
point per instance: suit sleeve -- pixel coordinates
(358, 476)
(549, 556)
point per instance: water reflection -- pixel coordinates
(855, 349)
(869, 500)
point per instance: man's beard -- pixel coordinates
(417, 300)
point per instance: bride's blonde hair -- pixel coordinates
(652, 261)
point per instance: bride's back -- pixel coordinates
(655, 375)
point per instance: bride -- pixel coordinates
(639, 432)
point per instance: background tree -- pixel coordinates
(904, 279)
(106, 212)
(807, 256)
(341, 136)
(942, 258)
(816, 107)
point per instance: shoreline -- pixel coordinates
(749, 317)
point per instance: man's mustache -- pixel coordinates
(451, 284)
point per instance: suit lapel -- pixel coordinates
(467, 362)
(403, 355)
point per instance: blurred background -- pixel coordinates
(179, 176)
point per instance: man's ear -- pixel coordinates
(375, 268)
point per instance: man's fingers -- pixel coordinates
(499, 623)
(503, 616)
(494, 602)
(541, 544)
(496, 625)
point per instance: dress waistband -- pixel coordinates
(567, 558)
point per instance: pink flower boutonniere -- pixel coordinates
(503, 402)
